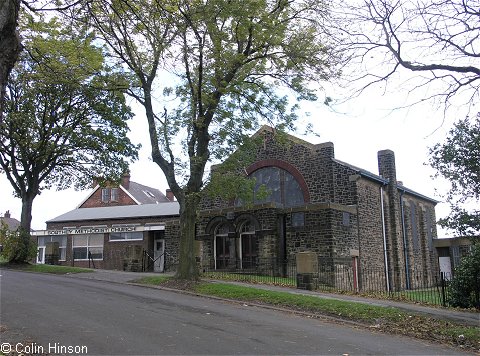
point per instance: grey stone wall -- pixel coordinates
(343, 214)
(172, 244)
(420, 230)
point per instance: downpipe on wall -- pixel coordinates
(405, 249)
(387, 277)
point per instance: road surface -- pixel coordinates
(64, 314)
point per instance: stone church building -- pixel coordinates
(347, 216)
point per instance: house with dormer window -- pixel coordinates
(115, 227)
(126, 193)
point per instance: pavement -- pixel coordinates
(467, 317)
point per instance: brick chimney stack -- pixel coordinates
(126, 180)
(7, 214)
(169, 195)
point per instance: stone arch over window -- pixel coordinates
(284, 182)
(218, 220)
(242, 218)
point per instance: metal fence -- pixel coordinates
(422, 287)
(268, 271)
(431, 288)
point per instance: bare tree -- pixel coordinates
(9, 44)
(437, 40)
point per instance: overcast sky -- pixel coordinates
(358, 130)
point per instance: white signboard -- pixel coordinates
(97, 230)
(445, 266)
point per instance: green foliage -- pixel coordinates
(17, 246)
(458, 160)
(220, 66)
(224, 69)
(357, 311)
(65, 117)
(229, 180)
(252, 278)
(464, 289)
(153, 280)
(41, 268)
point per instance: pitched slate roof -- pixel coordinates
(12, 223)
(119, 212)
(141, 194)
(146, 195)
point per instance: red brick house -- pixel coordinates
(127, 193)
(115, 227)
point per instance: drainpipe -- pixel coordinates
(359, 249)
(384, 239)
(405, 250)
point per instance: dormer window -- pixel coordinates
(114, 194)
(109, 194)
(105, 195)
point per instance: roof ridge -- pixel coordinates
(145, 186)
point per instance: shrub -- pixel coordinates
(465, 285)
(17, 245)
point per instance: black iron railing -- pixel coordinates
(425, 287)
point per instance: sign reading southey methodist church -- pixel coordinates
(99, 230)
(91, 230)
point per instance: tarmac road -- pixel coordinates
(84, 316)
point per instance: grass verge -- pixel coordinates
(386, 319)
(53, 269)
(353, 311)
(252, 278)
(428, 296)
(152, 280)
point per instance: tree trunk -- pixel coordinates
(9, 44)
(187, 268)
(24, 247)
(26, 217)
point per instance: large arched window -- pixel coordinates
(274, 184)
